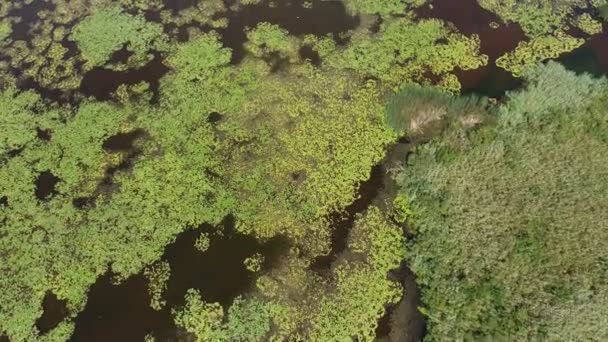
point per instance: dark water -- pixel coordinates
(45, 185)
(122, 142)
(324, 17)
(28, 14)
(122, 312)
(470, 18)
(101, 83)
(43, 134)
(117, 312)
(403, 322)
(55, 311)
(591, 57)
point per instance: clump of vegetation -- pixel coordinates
(589, 25)
(528, 54)
(384, 7)
(267, 40)
(430, 47)
(254, 262)
(158, 275)
(106, 31)
(498, 249)
(421, 113)
(203, 242)
(538, 18)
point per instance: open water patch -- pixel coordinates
(54, 311)
(122, 312)
(101, 83)
(45, 185)
(591, 57)
(297, 16)
(496, 39)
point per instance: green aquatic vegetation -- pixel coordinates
(360, 290)
(203, 242)
(498, 248)
(201, 13)
(528, 54)
(106, 31)
(245, 320)
(328, 132)
(537, 18)
(404, 50)
(18, 120)
(5, 29)
(199, 317)
(158, 274)
(267, 40)
(254, 262)
(383, 7)
(45, 58)
(589, 25)
(421, 112)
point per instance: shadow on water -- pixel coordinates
(323, 17)
(403, 322)
(591, 57)
(101, 83)
(470, 18)
(122, 312)
(122, 142)
(55, 311)
(342, 223)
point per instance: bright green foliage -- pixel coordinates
(18, 121)
(288, 151)
(106, 31)
(402, 211)
(382, 7)
(198, 14)
(5, 29)
(43, 57)
(199, 317)
(246, 320)
(266, 40)
(361, 289)
(537, 18)
(589, 25)
(327, 131)
(254, 263)
(203, 242)
(510, 229)
(158, 275)
(394, 59)
(528, 54)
